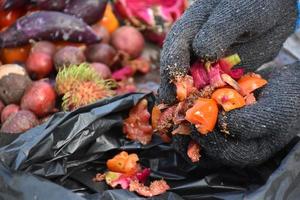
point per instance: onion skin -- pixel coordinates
(47, 25)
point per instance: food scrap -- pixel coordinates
(137, 125)
(210, 88)
(193, 151)
(125, 171)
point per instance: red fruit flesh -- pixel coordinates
(128, 40)
(215, 78)
(199, 75)
(39, 64)
(8, 110)
(39, 98)
(19, 122)
(229, 62)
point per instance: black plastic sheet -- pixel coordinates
(59, 159)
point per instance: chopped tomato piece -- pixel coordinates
(203, 114)
(184, 87)
(123, 163)
(229, 98)
(250, 82)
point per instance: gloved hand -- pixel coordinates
(212, 29)
(256, 31)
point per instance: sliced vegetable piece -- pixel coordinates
(229, 62)
(123, 163)
(229, 99)
(250, 82)
(203, 114)
(230, 81)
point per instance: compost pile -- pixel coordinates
(75, 124)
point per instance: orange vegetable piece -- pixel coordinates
(123, 163)
(228, 98)
(203, 114)
(250, 82)
(109, 20)
(16, 54)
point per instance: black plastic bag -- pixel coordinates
(62, 156)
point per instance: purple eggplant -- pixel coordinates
(47, 25)
(90, 11)
(51, 4)
(11, 4)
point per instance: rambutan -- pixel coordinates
(81, 85)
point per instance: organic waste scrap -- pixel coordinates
(62, 55)
(209, 89)
(124, 171)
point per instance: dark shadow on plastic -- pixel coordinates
(58, 160)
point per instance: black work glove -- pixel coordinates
(211, 29)
(256, 31)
